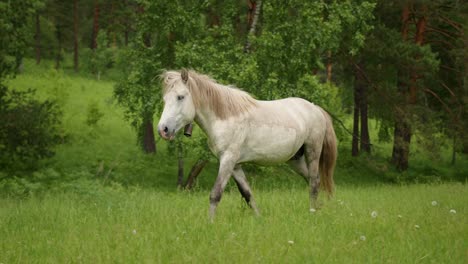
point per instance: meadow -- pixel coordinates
(382, 224)
(100, 200)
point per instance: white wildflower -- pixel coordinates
(434, 203)
(400, 216)
(290, 242)
(416, 226)
(362, 238)
(312, 210)
(452, 211)
(134, 231)
(374, 214)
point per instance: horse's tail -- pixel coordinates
(328, 156)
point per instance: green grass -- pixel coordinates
(99, 199)
(145, 226)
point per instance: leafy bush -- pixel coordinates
(29, 129)
(93, 114)
(48, 180)
(99, 60)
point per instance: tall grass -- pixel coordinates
(143, 226)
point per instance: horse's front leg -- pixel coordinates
(226, 166)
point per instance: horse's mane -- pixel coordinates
(225, 101)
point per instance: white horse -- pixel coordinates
(241, 129)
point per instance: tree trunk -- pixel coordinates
(58, 55)
(213, 18)
(37, 37)
(126, 36)
(454, 150)
(355, 140)
(402, 130)
(180, 172)
(250, 12)
(149, 144)
(147, 40)
(253, 26)
(194, 172)
(329, 66)
(171, 39)
(401, 145)
(126, 23)
(75, 35)
(365, 139)
(95, 30)
(418, 40)
(403, 133)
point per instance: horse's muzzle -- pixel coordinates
(170, 135)
(166, 134)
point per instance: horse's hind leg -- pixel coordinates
(312, 159)
(299, 165)
(244, 188)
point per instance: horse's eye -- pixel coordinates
(180, 97)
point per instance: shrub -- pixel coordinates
(29, 129)
(99, 60)
(93, 114)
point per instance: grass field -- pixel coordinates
(141, 226)
(100, 200)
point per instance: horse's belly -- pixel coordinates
(266, 144)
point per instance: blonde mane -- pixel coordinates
(224, 101)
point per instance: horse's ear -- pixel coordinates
(184, 75)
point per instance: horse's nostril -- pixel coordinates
(165, 129)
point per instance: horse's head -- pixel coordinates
(179, 109)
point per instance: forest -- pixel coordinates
(398, 66)
(81, 94)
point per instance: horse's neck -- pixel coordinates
(205, 118)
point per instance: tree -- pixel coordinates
(139, 91)
(37, 37)
(95, 30)
(75, 36)
(28, 127)
(406, 54)
(253, 20)
(14, 33)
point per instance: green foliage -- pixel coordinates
(289, 51)
(29, 129)
(48, 181)
(88, 163)
(297, 35)
(139, 89)
(101, 58)
(14, 33)
(93, 114)
(57, 87)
